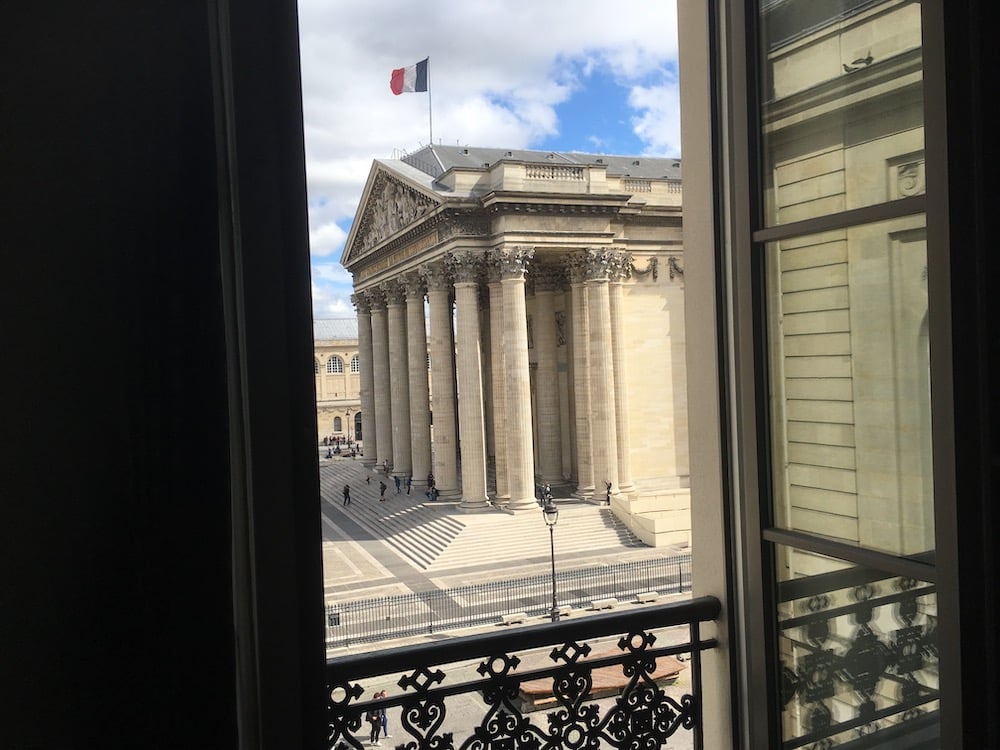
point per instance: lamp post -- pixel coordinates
(350, 424)
(551, 514)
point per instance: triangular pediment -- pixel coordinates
(389, 205)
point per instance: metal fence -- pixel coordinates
(388, 617)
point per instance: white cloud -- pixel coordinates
(498, 72)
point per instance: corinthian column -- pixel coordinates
(466, 267)
(602, 378)
(380, 363)
(369, 439)
(420, 417)
(512, 262)
(581, 377)
(444, 454)
(498, 371)
(618, 272)
(547, 281)
(399, 379)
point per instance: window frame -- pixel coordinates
(741, 291)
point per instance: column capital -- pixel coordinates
(466, 266)
(362, 303)
(414, 285)
(436, 276)
(394, 292)
(597, 264)
(510, 261)
(375, 297)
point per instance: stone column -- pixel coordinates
(498, 371)
(466, 267)
(512, 262)
(380, 364)
(399, 378)
(581, 378)
(602, 374)
(420, 415)
(444, 449)
(618, 273)
(548, 281)
(366, 357)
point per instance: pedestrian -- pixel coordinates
(381, 491)
(368, 478)
(347, 494)
(430, 480)
(385, 718)
(329, 453)
(607, 494)
(432, 493)
(375, 719)
(397, 483)
(409, 483)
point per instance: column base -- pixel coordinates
(523, 504)
(475, 504)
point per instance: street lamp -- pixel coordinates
(551, 514)
(350, 424)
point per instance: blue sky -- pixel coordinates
(569, 75)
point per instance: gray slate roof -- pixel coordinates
(335, 329)
(436, 160)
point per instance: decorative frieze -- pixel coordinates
(652, 268)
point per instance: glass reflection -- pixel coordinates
(842, 105)
(850, 385)
(858, 651)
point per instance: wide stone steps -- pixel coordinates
(438, 536)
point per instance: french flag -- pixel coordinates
(411, 78)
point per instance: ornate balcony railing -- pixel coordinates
(626, 679)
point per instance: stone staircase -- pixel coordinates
(438, 536)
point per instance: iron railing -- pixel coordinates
(624, 679)
(403, 615)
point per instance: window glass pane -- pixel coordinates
(842, 105)
(850, 385)
(858, 655)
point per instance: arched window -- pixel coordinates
(355, 364)
(337, 424)
(315, 367)
(335, 365)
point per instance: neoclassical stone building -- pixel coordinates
(337, 366)
(539, 297)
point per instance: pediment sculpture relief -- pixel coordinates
(391, 207)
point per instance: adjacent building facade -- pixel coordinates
(539, 297)
(337, 366)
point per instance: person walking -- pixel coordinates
(381, 491)
(409, 483)
(347, 494)
(375, 720)
(398, 483)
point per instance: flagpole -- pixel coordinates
(430, 118)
